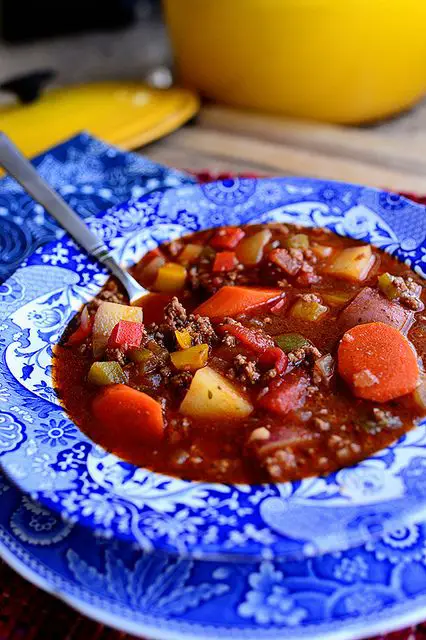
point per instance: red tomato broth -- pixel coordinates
(329, 429)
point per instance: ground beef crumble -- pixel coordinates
(116, 355)
(200, 328)
(246, 370)
(306, 354)
(386, 419)
(181, 380)
(175, 314)
(409, 292)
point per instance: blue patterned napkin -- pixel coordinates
(91, 176)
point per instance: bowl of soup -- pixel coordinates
(272, 380)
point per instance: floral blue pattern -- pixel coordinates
(87, 485)
(92, 176)
(56, 433)
(348, 595)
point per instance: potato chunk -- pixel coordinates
(250, 250)
(211, 396)
(107, 316)
(353, 263)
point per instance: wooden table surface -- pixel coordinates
(391, 154)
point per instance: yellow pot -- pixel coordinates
(343, 61)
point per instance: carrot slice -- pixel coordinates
(128, 416)
(378, 362)
(231, 301)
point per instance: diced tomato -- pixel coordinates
(260, 343)
(227, 238)
(81, 333)
(257, 341)
(126, 335)
(224, 261)
(274, 357)
(284, 397)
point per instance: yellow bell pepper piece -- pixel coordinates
(102, 373)
(311, 311)
(191, 359)
(170, 278)
(183, 338)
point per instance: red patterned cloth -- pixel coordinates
(27, 613)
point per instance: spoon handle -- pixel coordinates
(17, 166)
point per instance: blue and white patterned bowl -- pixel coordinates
(373, 588)
(48, 457)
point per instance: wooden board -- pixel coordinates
(224, 139)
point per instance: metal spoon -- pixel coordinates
(18, 167)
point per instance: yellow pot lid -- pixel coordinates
(127, 114)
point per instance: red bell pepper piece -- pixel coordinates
(227, 238)
(260, 343)
(126, 335)
(284, 397)
(224, 261)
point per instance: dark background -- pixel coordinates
(29, 20)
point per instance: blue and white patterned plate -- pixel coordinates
(49, 458)
(342, 596)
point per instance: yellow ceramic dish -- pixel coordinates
(128, 114)
(342, 61)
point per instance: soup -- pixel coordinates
(264, 353)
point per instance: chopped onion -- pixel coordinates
(85, 318)
(325, 367)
